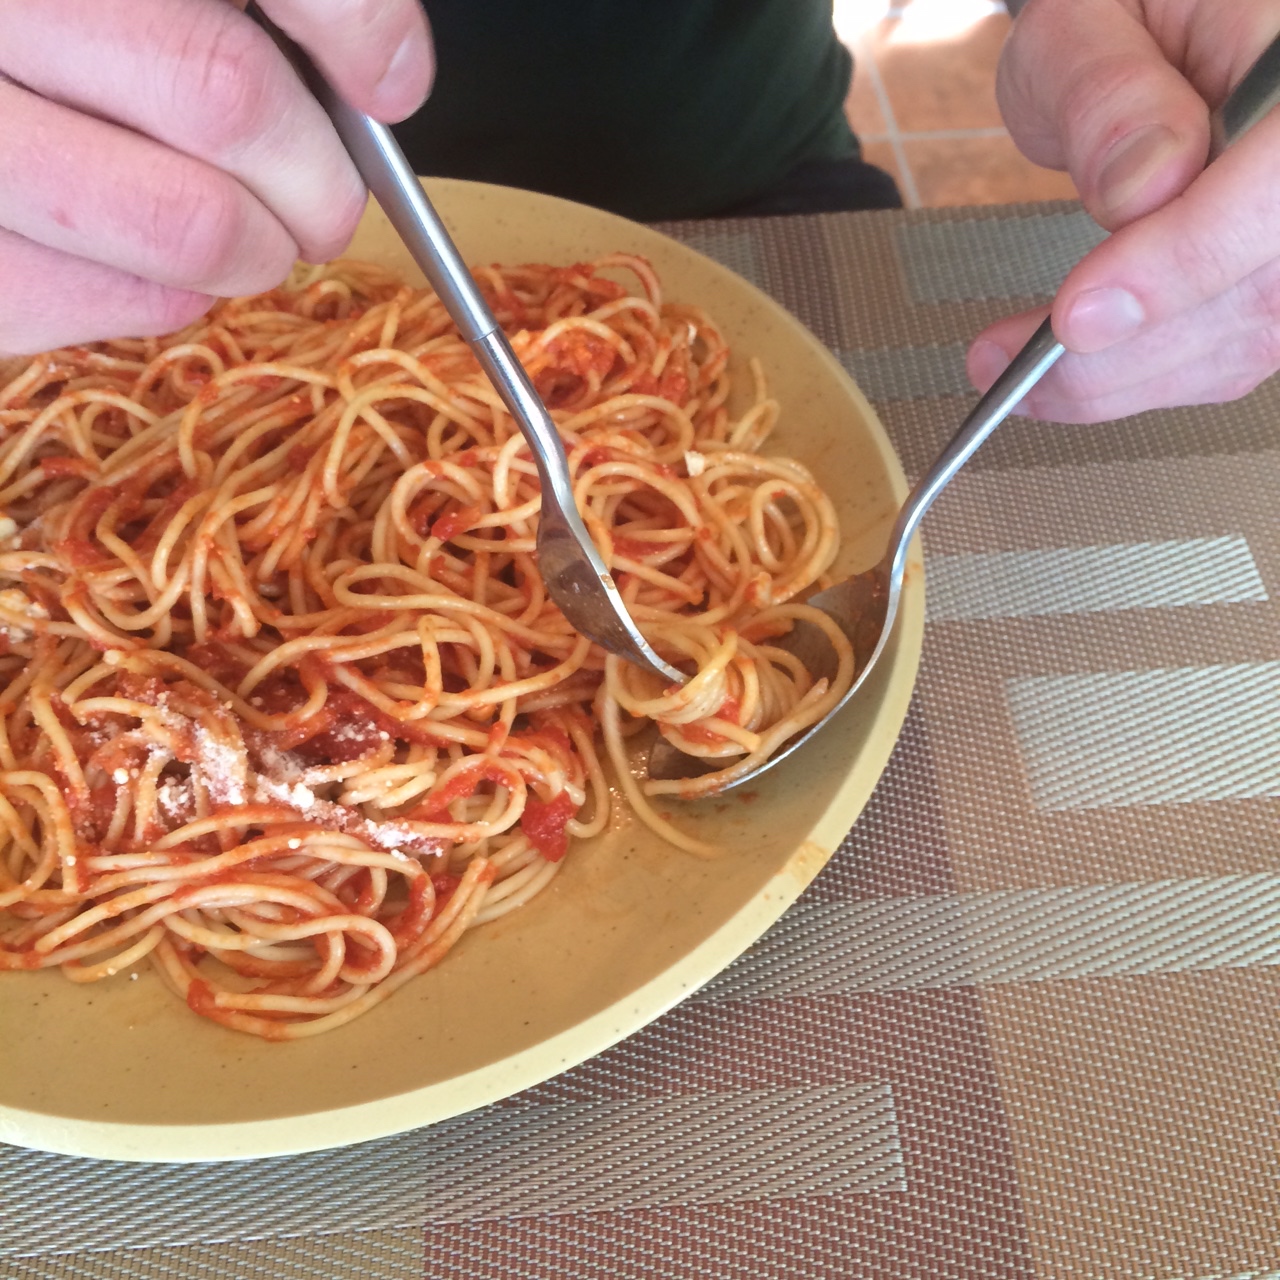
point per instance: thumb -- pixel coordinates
(378, 56)
(1085, 87)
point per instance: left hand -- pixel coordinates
(155, 154)
(1181, 305)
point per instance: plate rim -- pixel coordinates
(184, 1143)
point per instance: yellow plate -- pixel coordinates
(122, 1070)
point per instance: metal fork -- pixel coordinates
(576, 576)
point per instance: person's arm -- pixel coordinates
(156, 153)
(1181, 305)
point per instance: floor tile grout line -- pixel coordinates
(940, 135)
(910, 193)
(893, 135)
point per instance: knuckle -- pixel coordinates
(1099, 94)
(1204, 263)
(229, 74)
(1262, 353)
(173, 309)
(1261, 303)
(1083, 378)
(195, 224)
(1236, 388)
(144, 308)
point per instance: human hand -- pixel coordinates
(157, 153)
(1181, 305)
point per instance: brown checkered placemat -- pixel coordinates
(1024, 1023)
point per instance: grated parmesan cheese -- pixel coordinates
(17, 601)
(221, 767)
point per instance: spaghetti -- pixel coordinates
(286, 709)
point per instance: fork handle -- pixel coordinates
(387, 174)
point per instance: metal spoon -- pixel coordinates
(576, 576)
(864, 607)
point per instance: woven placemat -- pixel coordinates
(1023, 1024)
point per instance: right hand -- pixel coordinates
(156, 154)
(1181, 304)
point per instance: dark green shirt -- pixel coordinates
(651, 108)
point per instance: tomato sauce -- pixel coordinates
(200, 998)
(435, 808)
(544, 824)
(412, 922)
(455, 521)
(634, 548)
(53, 467)
(421, 514)
(729, 710)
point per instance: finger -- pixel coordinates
(1078, 389)
(1219, 352)
(992, 351)
(50, 299)
(1218, 233)
(94, 190)
(1083, 85)
(376, 53)
(1076, 382)
(201, 78)
(1199, 382)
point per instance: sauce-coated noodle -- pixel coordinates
(286, 707)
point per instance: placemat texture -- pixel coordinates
(1023, 1024)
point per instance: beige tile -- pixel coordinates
(982, 170)
(944, 83)
(862, 106)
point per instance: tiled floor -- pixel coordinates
(923, 102)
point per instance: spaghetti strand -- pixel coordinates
(286, 708)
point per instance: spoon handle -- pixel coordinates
(1253, 97)
(1035, 359)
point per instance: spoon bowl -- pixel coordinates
(865, 605)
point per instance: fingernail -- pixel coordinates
(1100, 317)
(400, 90)
(987, 361)
(1132, 165)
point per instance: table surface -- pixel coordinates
(1022, 1025)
